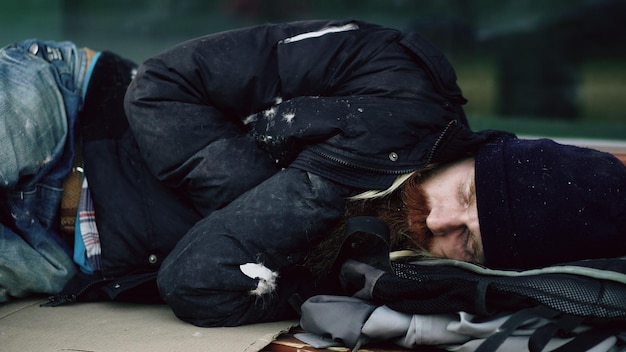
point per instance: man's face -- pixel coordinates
(453, 216)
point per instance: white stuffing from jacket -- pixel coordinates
(266, 277)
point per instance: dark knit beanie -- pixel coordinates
(542, 203)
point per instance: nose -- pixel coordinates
(442, 221)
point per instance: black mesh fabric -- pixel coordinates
(435, 289)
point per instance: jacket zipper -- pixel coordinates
(435, 147)
(355, 165)
(58, 300)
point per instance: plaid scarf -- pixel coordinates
(86, 238)
(87, 248)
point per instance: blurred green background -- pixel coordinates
(535, 67)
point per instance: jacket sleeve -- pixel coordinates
(187, 106)
(193, 95)
(271, 227)
(202, 90)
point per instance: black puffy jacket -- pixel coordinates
(250, 140)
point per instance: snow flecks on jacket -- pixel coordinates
(270, 113)
(266, 277)
(288, 117)
(250, 119)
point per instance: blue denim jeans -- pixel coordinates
(40, 97)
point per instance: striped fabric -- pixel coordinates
(87, 252)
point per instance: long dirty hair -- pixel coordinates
(404, 209)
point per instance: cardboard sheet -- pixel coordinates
(112, 326)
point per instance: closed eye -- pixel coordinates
(464, 193)
(471, 193)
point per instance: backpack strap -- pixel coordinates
(542, 336)
(366, 240)
(518, 318)
(588, 339)
(363, 256)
